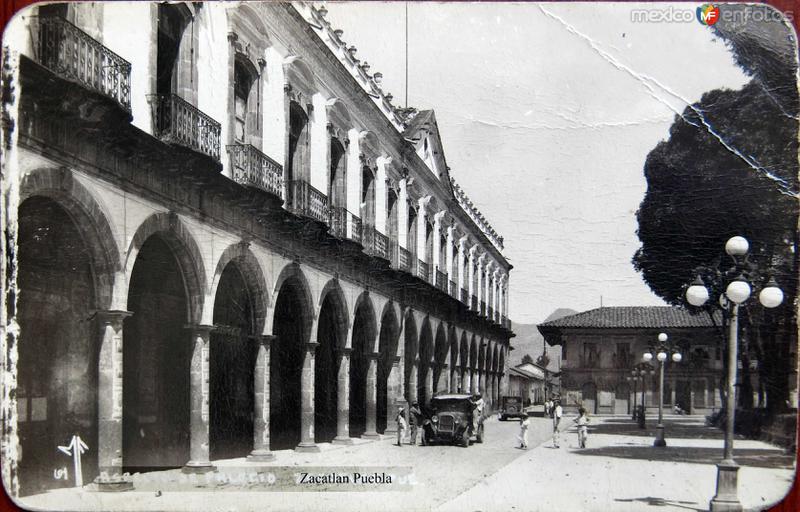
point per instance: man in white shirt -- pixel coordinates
(557, 413)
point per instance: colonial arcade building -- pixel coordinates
(230, 242)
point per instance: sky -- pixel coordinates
(547, 113)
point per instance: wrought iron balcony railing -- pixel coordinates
(464, 296)
(376, 243)
(423, 270)
(474, 305)
(440, 280)
(73, 54)
(253, 168)
(307, 201)
(405, 259)
(453, 289)
(483, 308)
(490, 313)
(176, 121)
(344, 224)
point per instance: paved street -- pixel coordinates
(618, 471)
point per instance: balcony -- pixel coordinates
(376, 243)
(252, 168)
(453, 289)
(404, 259)
(74, 55)
(440, 280)
(474, 305)
(344, 224)
(490, 313)
(483, 308)
(464, 296)
(423, 271)
(306, 201)
(176, 121)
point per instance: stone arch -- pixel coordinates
(388, 347)
(293, 269)
(91, 218)
(411, 347)
(184, 247)
(300, 78)
(365, 301)
(463, 358)
(426, 353)
(473, 353)
(441, 347)
(333, 290)
(244, 259)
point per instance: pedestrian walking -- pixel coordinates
(415, 420)
(548, 407)
(583, 427)
(524, 423)
(401, 426)
(557, 413)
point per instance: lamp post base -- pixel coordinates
(660, 441)
(726, 499)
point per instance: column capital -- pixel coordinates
(199, 329)
(311, 345)
(395, 360)
(372, 355)
(113, 317)
(343, 351)
(264, 339)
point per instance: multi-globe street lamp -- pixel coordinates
(638, 373)
(662, 352)
(736, 293)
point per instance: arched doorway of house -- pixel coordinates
(232, 368)
(362, 344)
(331, 332)
(589, 397)
(156, 357)
(291, 330)
(57, 370)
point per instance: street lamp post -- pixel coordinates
(639, 372)
(635, 379)
(736, 293)
(663, 352)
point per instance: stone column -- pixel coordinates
(109, 402)
(444, 379)
(261, 451)
(413, 396)
(394, 398)
(465, 380)
(428, 382)
(454, 379)
(476, 377)
(198, 398)
(672, 391)
(343, 398)
(307, 400)
(372, 393)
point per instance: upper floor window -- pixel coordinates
(242, 84)
(172, 22)
(591, 355)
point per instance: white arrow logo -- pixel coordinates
(75, 449)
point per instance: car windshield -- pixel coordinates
(451, 405)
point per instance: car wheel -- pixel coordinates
(465, 439)
(479, 437)
(502, 417)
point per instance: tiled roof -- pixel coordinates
(632, 317)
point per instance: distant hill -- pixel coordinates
(528, 340)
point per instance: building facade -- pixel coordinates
(528, 380)
(600, 347)
(230, 242)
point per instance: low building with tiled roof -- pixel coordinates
(601, 346)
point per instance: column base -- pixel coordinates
(342, 440)
(371, 435)
(390, 430)
(307, 448)
(198, 466)
(115, 483)
(660, 441)
(261, 456)
(726, 499)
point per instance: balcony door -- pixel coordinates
(368, 196)
(297, 159)
(337, 184)
(172, 22)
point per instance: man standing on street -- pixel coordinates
(401, 426)
(557, 413)
(414, 419)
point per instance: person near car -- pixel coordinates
(557, 413)
(415, 420)
(477, 412)
(401, 426)
(524, 423)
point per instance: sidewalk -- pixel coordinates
(621, 470)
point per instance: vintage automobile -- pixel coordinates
(450, 419)
(512, 407)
